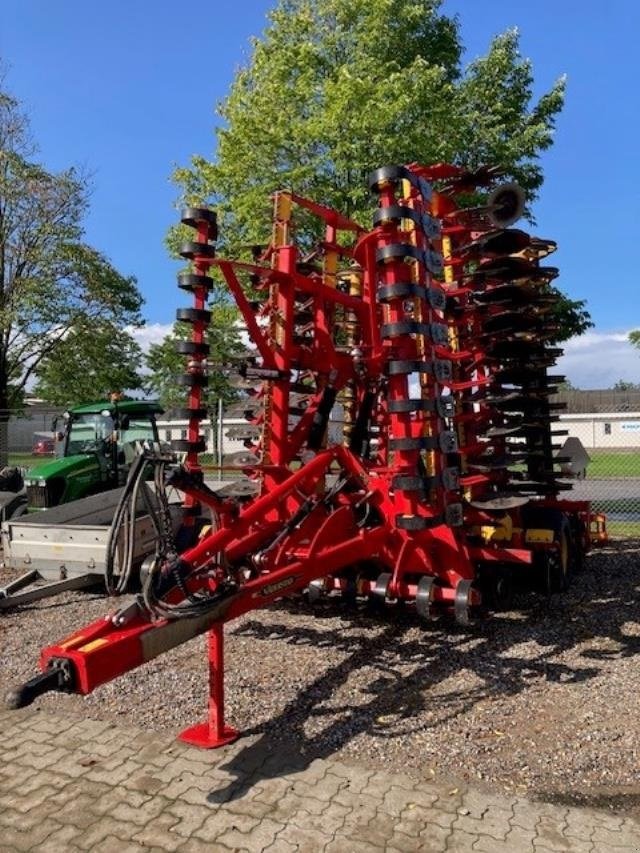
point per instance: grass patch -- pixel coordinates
(26, 460)
(607, 464)
(623, 529)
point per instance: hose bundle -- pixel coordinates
(121, 541)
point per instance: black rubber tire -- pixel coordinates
(553, 565)
(578, 545)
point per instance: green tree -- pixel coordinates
(623, 385)
(51, 281)
(164, 364)
(335, 88)
(634, 338)
(88, 364)
(226, 347)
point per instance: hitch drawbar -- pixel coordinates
(58, 676)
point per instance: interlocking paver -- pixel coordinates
(494, 824)
(330, 821)
(620, 839)
(111, 844)
(577, 827)
(28, 802)
(434, 837)
(549, 833)
(340, 844)
(28, 839)
(60, 840)
(525, 815)
(103, 828)
(196, 845)
(189, 818)
(406, 843)
(377, 832)
(262, 835)
(221, 821)
(519, 839)
(27, 820)
(82, 785)
(460, 842)
(157, 833)
(430, 816)
(114, 771)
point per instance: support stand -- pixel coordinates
(213, 733)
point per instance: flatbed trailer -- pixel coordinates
(66, 546)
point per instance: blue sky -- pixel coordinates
(127, 89)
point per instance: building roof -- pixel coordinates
(129, 407)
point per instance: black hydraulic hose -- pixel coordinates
(117, 573)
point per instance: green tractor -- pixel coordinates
(94, 451)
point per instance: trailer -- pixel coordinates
(433, 332)
(66, 547)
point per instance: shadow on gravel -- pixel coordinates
(405, 664)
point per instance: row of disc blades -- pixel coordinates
(511, 326)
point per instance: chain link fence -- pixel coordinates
(607, 423)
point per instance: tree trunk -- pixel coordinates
(5, 414)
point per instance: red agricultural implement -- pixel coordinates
(426, 341)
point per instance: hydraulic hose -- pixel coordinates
(121, 541)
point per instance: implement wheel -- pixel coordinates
(378, 595)
(424, 598)
(578, 545)
(554, 565)
(316, 592)
(462, 602)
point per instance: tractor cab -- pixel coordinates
(94, 451)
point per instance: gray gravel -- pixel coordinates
(539, 700)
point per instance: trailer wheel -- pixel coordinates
(23, 509)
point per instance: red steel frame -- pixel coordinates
(300, 528)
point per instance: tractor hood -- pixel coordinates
(64, 467)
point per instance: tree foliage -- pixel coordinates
(89, 363)
(54, 287)
(634, 338)
(336, 88)
(624, 385)
(164, 364)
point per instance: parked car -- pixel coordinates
(43, 446)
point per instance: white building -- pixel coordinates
(604, 430)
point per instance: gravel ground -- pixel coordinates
(541, 700)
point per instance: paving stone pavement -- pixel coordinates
(69, 784)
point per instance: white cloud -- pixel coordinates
(152, 333)
(598, 359)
